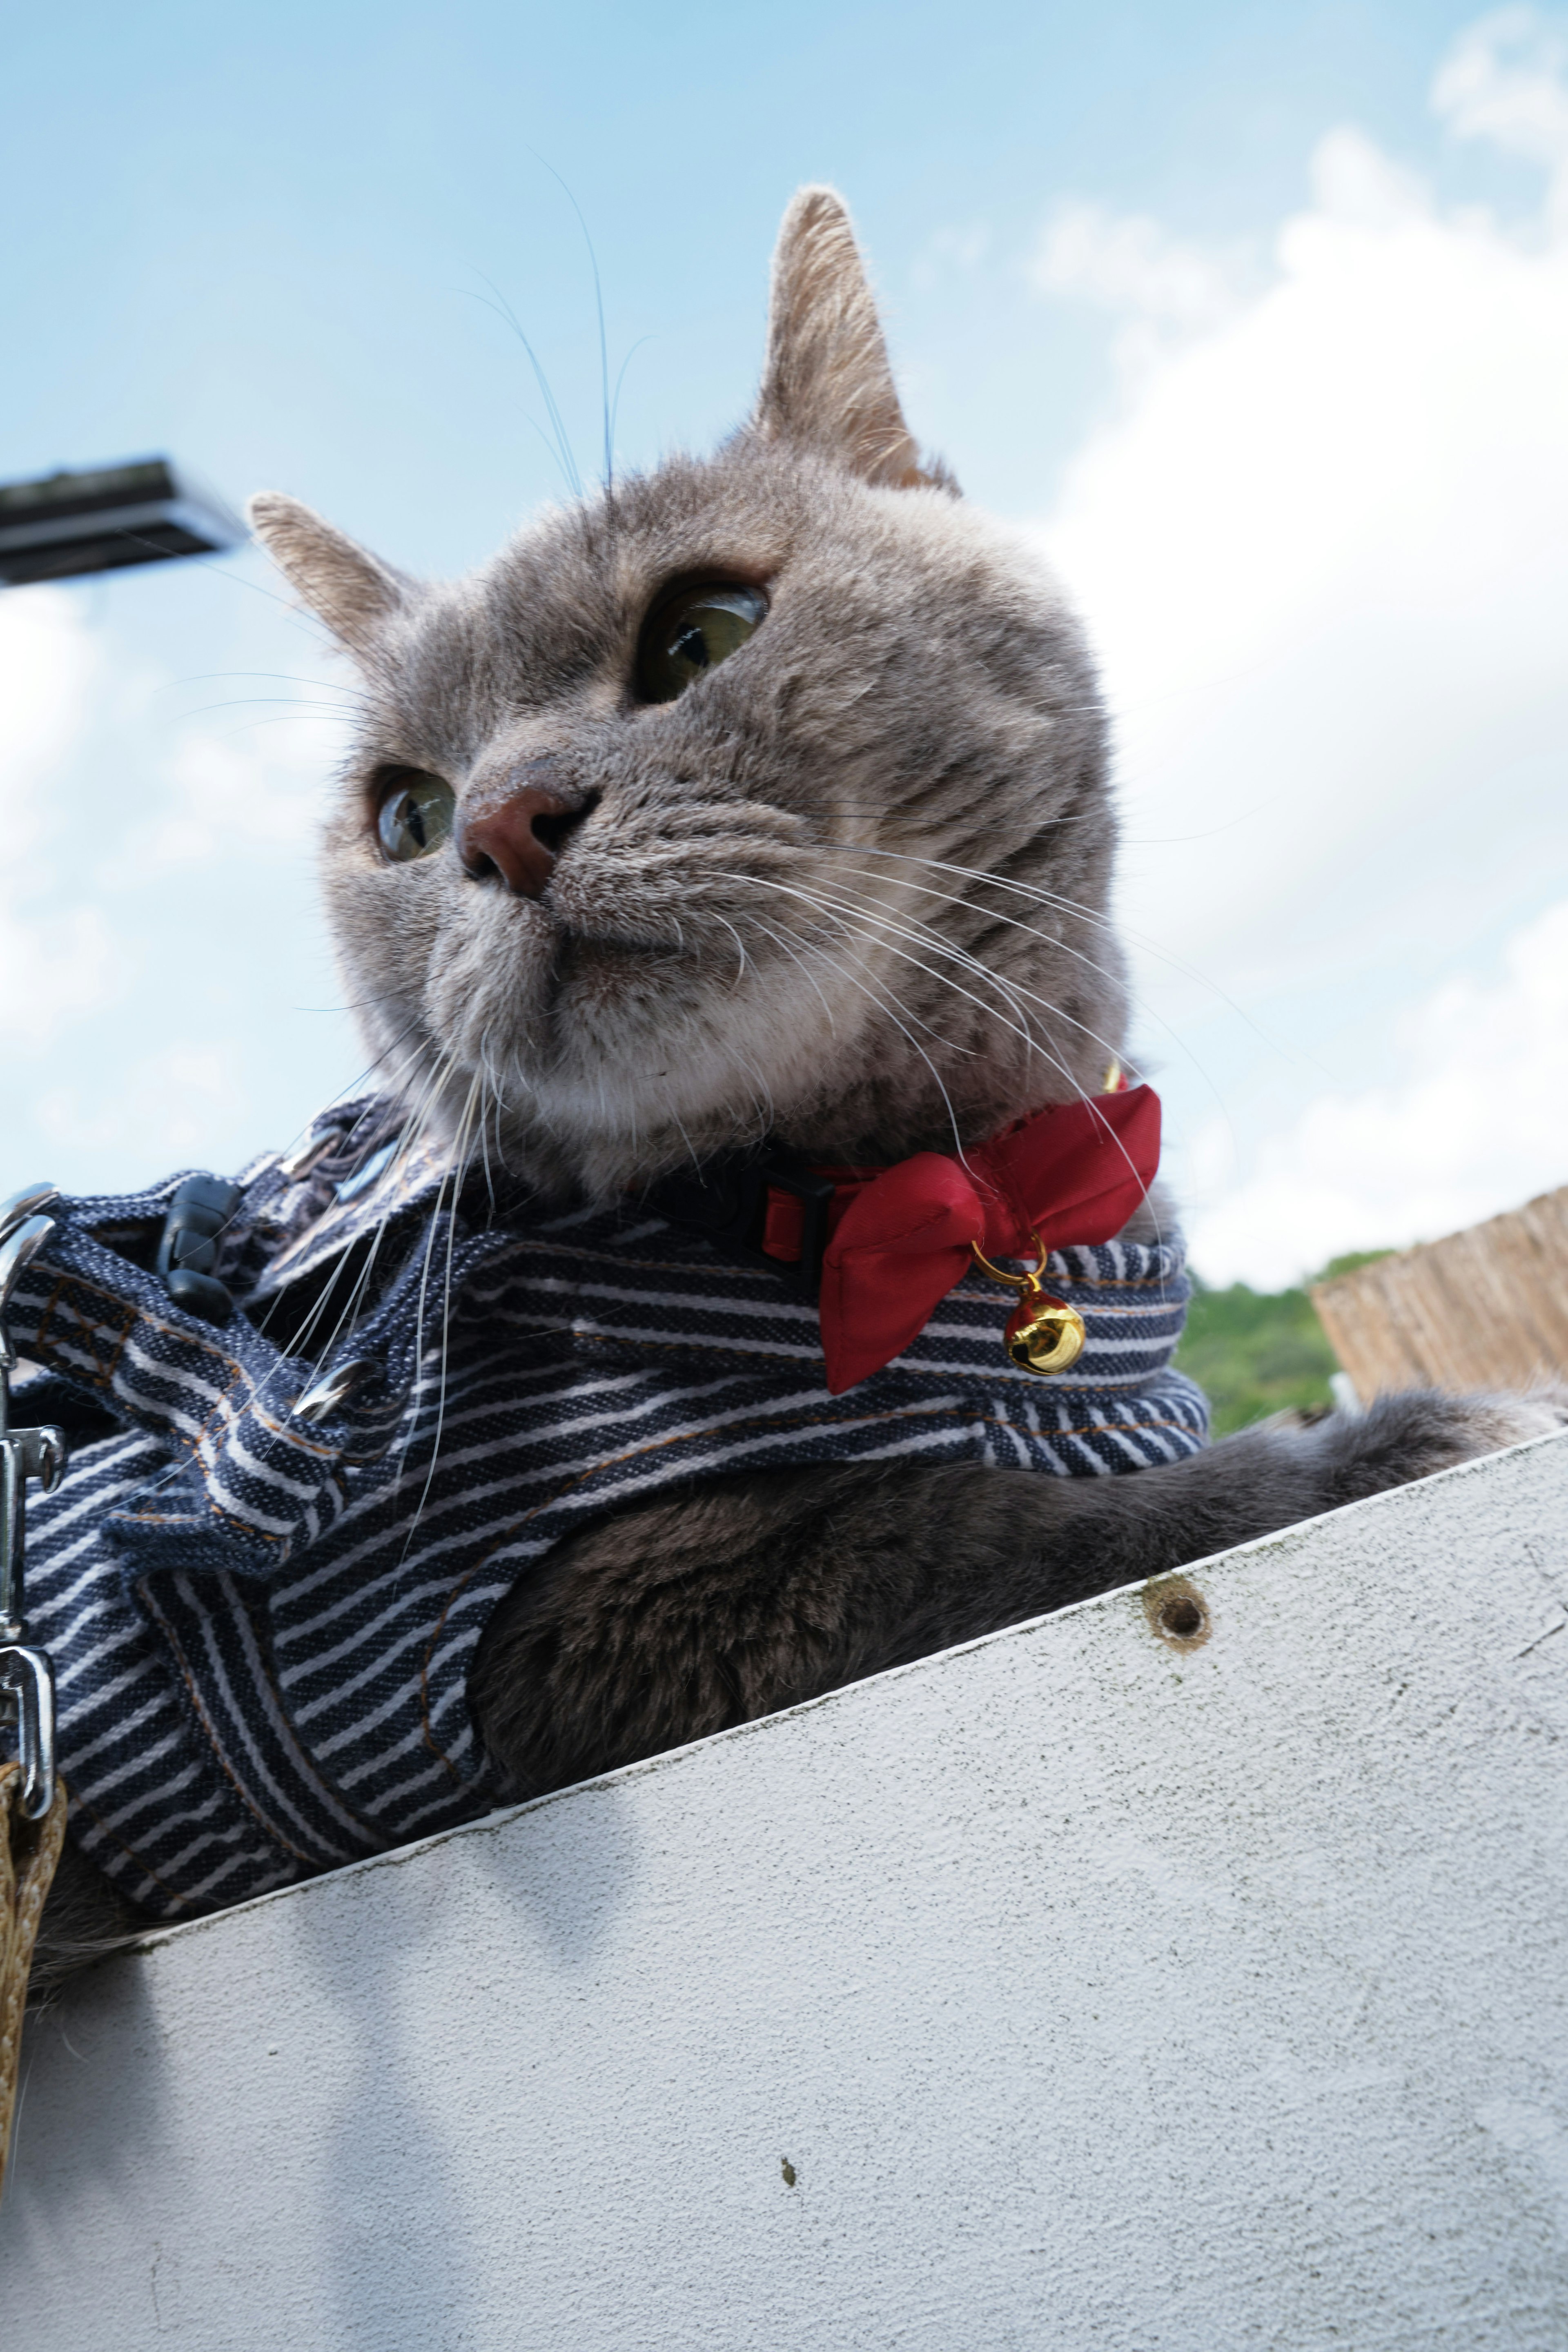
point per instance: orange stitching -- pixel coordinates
(71, 1314)
(220, 1511)
(612, 1258)
(236, 1395)
(191, 1520)
(241, 1382)
(276, 1428)
(134, 1315)
(269, 1829)
(707, 1345)
(369, 1829)
(141, 1315)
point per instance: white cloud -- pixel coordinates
(56, 962)
(47, 664)
(107, 800)
(163, 1108)
(1473, 1123)
(1357, 185)
(1325, 553)
(956, 251)
(55, 968)
(1506, 79)
(163, 967)
(229, 791)
(1162, 289)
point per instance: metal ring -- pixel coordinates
(309, 1154)
(23, 1205)
(326, 1395)
(24, 1241)
(1014, 1281)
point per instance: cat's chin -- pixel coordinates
(630, 1059)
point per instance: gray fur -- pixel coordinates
(850, 889)
(757, 926)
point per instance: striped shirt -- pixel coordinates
(262, 1626)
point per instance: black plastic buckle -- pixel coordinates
(188, 1247)
(726, 1200)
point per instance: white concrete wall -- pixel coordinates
(1098, 1995)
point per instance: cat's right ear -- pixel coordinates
(344, 586)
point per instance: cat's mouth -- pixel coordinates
(592, 972)
(580, 952)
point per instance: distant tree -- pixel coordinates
(1254, 1352)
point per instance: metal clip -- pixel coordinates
(21, 1233)
(27, 1681)
(329, 1391)
(23, 1205)
(318, 1144)
(27, 1676)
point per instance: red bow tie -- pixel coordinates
(901, 1236)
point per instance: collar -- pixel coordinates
(877, 1248)
(874, 1249)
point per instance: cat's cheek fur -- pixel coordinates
(488, 990)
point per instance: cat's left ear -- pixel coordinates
(828, 386)
(344, 586)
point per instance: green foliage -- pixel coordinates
(1253, 1352)
(1349, 1262)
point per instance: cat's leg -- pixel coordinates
(748, 1594)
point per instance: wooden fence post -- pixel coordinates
(1487, 1308)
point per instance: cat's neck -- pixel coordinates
(870, 1123)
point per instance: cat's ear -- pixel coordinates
(828, 386)
(344, 586)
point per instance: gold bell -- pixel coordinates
(1044, 1335)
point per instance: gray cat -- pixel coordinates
(763, 801)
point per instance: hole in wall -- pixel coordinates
(1178, 1613)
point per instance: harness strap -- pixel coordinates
(29, 1851)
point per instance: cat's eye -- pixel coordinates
(692, 632)
(416, 815)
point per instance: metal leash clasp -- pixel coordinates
(27, 1676)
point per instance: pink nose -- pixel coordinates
(517, 838)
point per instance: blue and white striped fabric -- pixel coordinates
(262, 1628)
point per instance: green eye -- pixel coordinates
(415, 815)
(693, 633)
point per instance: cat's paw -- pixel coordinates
(1411, 1435)
(1512, 1420)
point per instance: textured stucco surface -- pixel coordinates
(1098, 1994)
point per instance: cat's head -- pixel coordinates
(762, 793)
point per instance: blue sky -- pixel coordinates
(262, 233)
(1231, 306)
